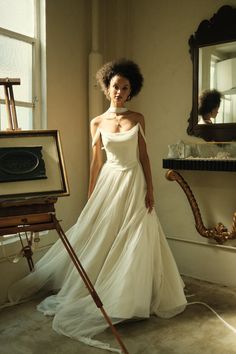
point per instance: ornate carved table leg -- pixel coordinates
(219, 233)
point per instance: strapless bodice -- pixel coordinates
(121, 148)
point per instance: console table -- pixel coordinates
(219, 232)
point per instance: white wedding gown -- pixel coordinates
(121, 247)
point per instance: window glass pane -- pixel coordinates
(17, 16)
(24, 117)
(16, 62)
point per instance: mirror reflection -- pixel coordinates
(209, 106)
(217, 84)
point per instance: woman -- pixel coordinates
(117, 238)
(209, 106)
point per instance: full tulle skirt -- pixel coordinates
(125, 254)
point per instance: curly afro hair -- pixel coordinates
(123, 67)
(209, 100)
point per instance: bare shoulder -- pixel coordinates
(138, 118)
(94, 124)
(95, 121)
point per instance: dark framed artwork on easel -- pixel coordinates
(31, 165)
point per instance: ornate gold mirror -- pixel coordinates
(213, 54)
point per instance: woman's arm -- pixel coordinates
(97, 158)
(145, 162)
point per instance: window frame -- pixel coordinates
(38, 103)
(36, 66)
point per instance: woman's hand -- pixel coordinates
(149, 200)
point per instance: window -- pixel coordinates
(22, 24)
(20, 58)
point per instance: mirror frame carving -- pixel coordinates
(221, 28)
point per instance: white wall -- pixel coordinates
(160, 32)
(155, 34)
(68, 45)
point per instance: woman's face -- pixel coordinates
(119, 90)
(214, 112)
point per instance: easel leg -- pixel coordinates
(13, 108)
(10, 102)
(10, 124)
(87, 281)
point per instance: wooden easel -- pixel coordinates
(38, 214)
(10, 101)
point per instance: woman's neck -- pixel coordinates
(207, 118)
(115, 109)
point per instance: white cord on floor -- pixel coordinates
(10, 304)
(217, 315)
